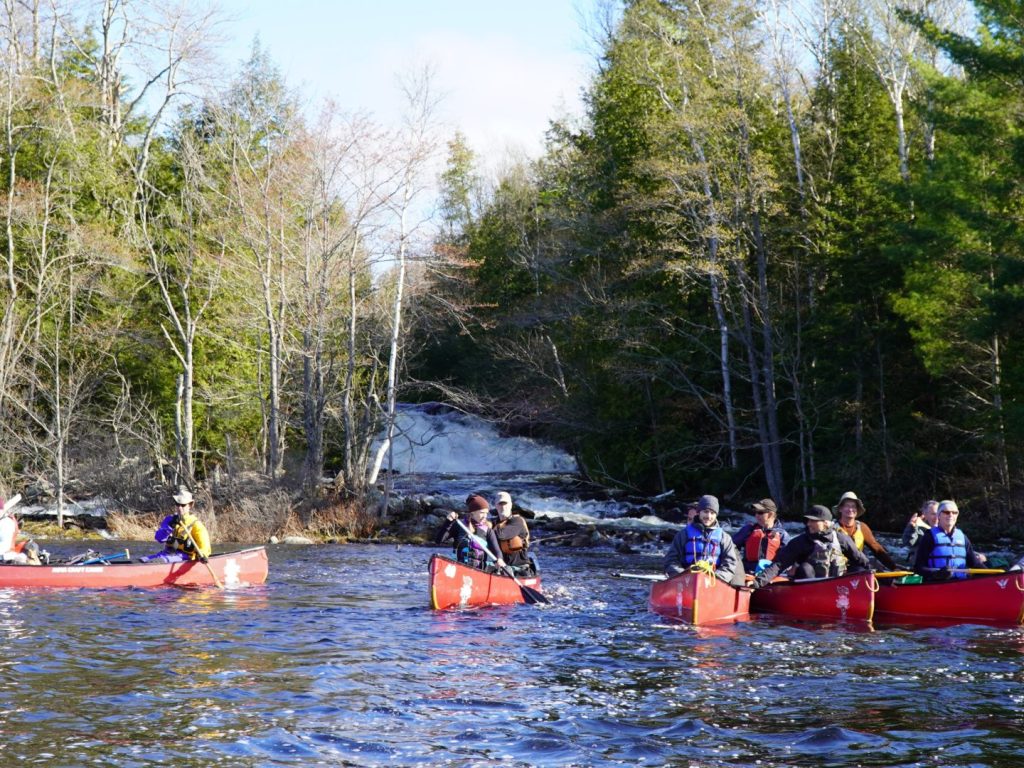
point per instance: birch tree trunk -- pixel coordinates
(419, 146)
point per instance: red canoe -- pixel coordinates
(699, 599)
(454, 585)
(233, 569)
(990, 599)
(850, 597)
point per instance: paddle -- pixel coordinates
(12, 502)
(107, 559)
(974, 571)
(530, 596)
(202, 557)
(643, 576)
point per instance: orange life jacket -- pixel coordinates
(762, 545)
(508, 546)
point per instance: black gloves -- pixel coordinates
(204, 559)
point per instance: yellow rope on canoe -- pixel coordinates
(703, 566)
(707, 568)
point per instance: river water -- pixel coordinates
(338, 661)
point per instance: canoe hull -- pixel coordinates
(850, 597)
(454, 585)
(234, 569)
(699, 599)
(989, 599)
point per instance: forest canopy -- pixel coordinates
(779, 254)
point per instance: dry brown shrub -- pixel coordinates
(270, 512)
(255, 518)
(132, 527)
(348, 519)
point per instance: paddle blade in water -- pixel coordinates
(532, 596)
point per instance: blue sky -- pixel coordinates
(505, 68)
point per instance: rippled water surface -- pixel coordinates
(339, 661)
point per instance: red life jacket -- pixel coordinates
(762, 545)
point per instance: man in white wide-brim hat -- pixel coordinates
(849, 509)
(182, 533)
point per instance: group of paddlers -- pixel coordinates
(762, 550)
(500, 545)
(182, 533)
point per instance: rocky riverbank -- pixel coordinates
(415, 520)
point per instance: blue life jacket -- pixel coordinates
(702, 544)
(950, 551)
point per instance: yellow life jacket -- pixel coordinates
(857, 535)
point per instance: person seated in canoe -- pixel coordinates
(849, 509)
(468, 550)
(12, 550)
(182, 533)
(513, 537)
(704, 541)
(919, 525)
(691, 512)
(761, 539)
(821, 552)
(946, 552)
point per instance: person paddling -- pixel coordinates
(468, 551)
(704, 541)
(849, 509)
(182, 533)
(821, 552)
(513, 536)
(946, 552)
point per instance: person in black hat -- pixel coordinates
(820, 552)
